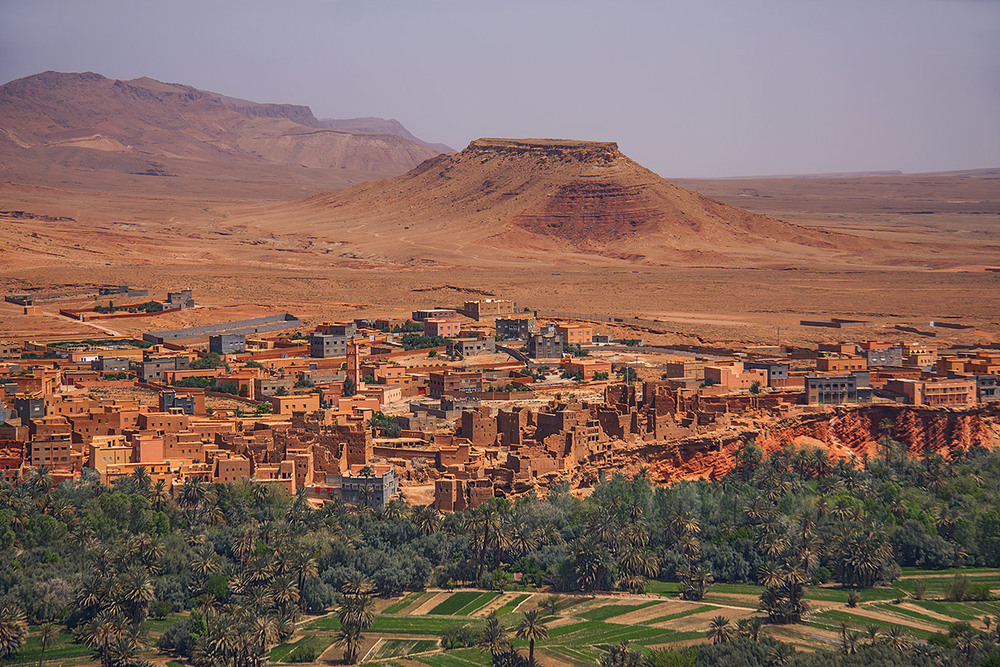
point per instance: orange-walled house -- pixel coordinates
(443, 327)
(935, 392)
(281, 474)
(147, 449)
(586, 367)
(841, 363)
(575, 334)
(230, 467)
(157, 471)
(183, 447)
(163, 422)
(105, 451)
(732, 375)
(286, 405)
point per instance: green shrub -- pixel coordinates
(302, 654)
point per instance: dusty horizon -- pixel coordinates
(690, 90)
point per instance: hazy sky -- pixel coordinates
(695, 88)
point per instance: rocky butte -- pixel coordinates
(527, 198)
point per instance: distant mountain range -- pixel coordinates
(82, 122)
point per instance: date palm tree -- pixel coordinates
(427, 520)
(781, 653)
(46, 635)
(749, 627)
(13, 629)
(160, 494)
(494, 637)
(136, 591)
(523, 538)
(192, 496)
(357, 611)
(264, 631)
(357, 585)
(141, 480)
(896, 638)
(719, 630)
(531, 627)
(350, 638)
(620, 655)
(551, 605)
(284, 591)
(103, 632)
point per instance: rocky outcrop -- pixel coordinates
(846, 434)
(296, 113)
(544, 151)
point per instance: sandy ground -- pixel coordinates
(900, 619)
(934, 269)
(653, 611)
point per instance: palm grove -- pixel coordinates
(246, 561)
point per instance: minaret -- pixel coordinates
(354, 364)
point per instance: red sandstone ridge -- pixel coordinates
(521, 197)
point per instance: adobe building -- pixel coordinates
(445, 327)
(286, 405)
(227, 344)
(920, 355)
(935, 391)
(878, 353)
(182, 299)
(777, 371)
(686, 368)
(374, 490)
(230, 467)
(837, 388)
(575, 334)
(469, 347)
(586, 368)
(331, 340)
(105, 451)
(515, 328)
(839, 363)
(428, 313)
(450, 382)
(188, 403)
(733, 375)
(453, 494)
(110, 365)
(153, 368)
(281, 474)
(546, 344)
(488, 308)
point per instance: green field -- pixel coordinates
(395, 648)
(402, 603)
(62, 648)
(315, 643)
(454, 603)
(477, 603)
(612, 610)
(679, 614)
(458, 658)
(512, 604)
(584, 626)
(415, 625)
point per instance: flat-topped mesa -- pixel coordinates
(560, 149)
